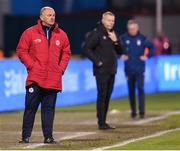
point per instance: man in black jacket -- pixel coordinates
(102, 47)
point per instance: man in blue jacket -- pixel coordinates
(136, 50)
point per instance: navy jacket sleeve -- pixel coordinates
(90, 45)
(150, 46)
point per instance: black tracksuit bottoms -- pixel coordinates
(105, 83)
(34, 96)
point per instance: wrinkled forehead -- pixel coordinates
(109, 17)
(48, 11)
(133, 26)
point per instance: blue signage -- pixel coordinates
(169, 73)
(79, 85)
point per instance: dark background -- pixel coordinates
(76, 27)
(76, 17)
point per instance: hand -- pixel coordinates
(112, 36)
(100, 63)
(143, 58)
(124, 57)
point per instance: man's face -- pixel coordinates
(48, 17)
(133, 29)
(108, 21)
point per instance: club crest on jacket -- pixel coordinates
(31, 90)
(138, 42)
(57, 42)
(127, 42)
(104, 37)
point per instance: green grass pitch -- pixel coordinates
(76, 127)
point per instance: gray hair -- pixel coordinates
(132, 21)
(44, 8)
(107, 13)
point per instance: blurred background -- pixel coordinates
(159, 20)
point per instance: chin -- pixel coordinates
(51, 24)
(108, 28)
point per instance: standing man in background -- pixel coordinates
(137, 49)
(102, 47)
(44, 49)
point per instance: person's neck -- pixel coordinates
(108, 30)
(133, 35)
(46, 25)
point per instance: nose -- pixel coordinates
(52, 18)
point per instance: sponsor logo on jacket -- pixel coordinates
(37, 40)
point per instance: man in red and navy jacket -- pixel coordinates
(44, 49)
(136, 50)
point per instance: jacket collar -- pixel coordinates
(40, 28)
(101, 27)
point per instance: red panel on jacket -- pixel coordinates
(45, 62)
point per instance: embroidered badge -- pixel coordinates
(138, 42)
(31, 90)
(127, 42)
(57, 42)
(104, 37)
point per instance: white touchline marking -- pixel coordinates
(136, 139)
(148, 120)
(152, 119)
(77, 134)
(137, 122)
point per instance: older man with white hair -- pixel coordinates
(44, 49)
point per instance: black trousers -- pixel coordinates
(105, 85)
(138, 79)
(34, 96)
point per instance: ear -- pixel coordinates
(41, 17)
(102, 20)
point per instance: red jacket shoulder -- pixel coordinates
(62, 32)
(29, 31)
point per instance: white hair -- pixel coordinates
(44, 8)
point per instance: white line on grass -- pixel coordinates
(136, 139)
(152, 119)
(137, 122)
(75, 135)
(80, 134)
